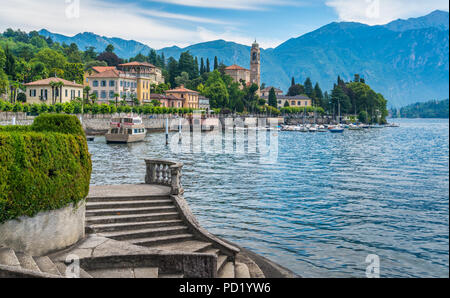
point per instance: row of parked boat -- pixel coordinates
(338, 128)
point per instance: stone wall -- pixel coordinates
(46, 232)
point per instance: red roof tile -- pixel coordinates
(112, 73)
(181, 89)
(47, 81)
(103, 68)
(235, 67)
(136, 63)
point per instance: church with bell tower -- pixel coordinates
(249, 76)
(255, 65)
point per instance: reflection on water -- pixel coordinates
(328, 202)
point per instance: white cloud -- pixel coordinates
(374, 12)
(167, 15)
(233, 4)
(126, 21)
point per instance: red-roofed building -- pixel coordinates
(168, 101)
(189, 97)
(249, 76)
(238, 73)
(42, 91)
(129, 79)
(109, 83)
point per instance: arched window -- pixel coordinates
(254, 56)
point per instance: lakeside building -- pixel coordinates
(294, 101)
(266, 91)
(42, 91)
(110, 82)
(95, 70)
(135, 79)
(167, 101)
(189, 97)
(252, 76)
(203, 103)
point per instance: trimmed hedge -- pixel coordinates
(46, 166)
(58, 123)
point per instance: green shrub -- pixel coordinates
(42, 167)
(66, 124)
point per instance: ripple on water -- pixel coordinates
(328, 202)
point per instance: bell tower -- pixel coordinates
(255, 65)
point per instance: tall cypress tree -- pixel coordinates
(318, 95)
(272, 98)
(309, 88)
(202, 66)
(208, 69)
(10, 63)
(216, 63)
(292, 82)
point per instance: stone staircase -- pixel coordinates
(28, 265)
(155, 222)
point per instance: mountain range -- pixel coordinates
(406, 60)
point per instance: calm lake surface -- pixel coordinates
(328, 201)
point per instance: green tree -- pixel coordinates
(52, 59)
(272, 98)
(216, 63)
(208, 69)
(74, 72)
(295, 90)
(309, 91)
(110, 49)
(216, 90)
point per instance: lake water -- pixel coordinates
(328, 202)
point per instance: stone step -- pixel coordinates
(221, 260)
(145, 233)
(129, 211)
(112, 273)
(62, 270)
(227, 271)
(130, 198)
(46, 265)
(186, 246)
(241, 270)
(155, 241)
(146, 272)
(27, 262)
(127, 204)
(8, 257)
(99, 228)
(213, 251)
(132, 218)
(171, 276)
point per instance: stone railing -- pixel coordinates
(164, 172)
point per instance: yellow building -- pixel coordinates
(189, 97)
(145, 73)
(294, 101)
(42, 91)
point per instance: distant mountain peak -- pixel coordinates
(438, 19)
(123, 48)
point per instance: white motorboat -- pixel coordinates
(126, 130)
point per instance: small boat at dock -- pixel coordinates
(126, 130)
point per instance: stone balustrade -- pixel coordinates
(164, 172)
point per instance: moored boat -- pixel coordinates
(336, 129)
(126, 130)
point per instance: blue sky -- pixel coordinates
(161, 23)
